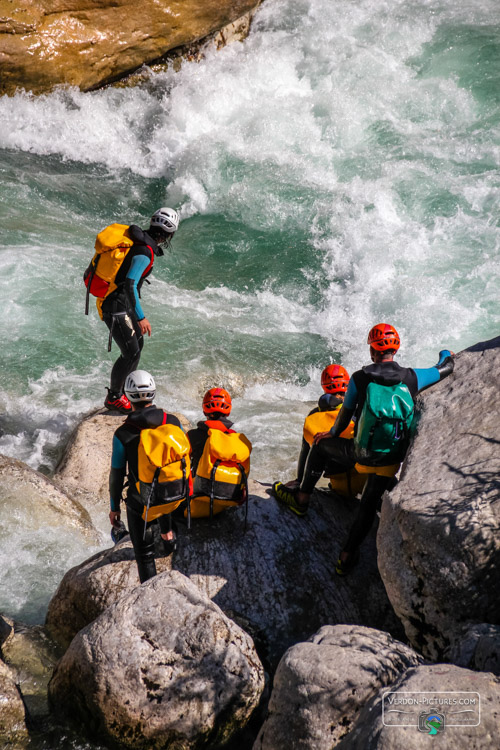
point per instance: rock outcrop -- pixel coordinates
(88, 43)
(465, 726)
(477, 648)
(13, 731)
(162, 667)
(320, 686)
(438, 541)
(43, 502)
(276, 579)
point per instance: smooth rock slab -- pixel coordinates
(320, 686)
(478, 648)
(370, 733)
(438, 541)
(276, 579)
(163, 667)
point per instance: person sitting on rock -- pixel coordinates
(141, 390)
(381, 398)
(334, 381)
(220, 458)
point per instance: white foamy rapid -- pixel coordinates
(337, 169)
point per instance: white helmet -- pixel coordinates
(165, 219)
(140, 386)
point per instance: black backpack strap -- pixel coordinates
(212, 487)
(150, 495)
(245, 483)
(91, 273)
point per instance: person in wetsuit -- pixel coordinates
(216, 407)
(141, 390)
(122, 311)
(334, 381)
(330, 449)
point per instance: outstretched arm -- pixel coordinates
(430, 375)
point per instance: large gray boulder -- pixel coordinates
(276, 578)
(438, 541)
(320, 686)
(382, 725)
(163, 667)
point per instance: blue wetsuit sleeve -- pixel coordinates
(117, 473)
(430, 375)
(137, 268)
(351, 396)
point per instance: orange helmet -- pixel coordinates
(334, 379)
(216, 400)
(384, 337)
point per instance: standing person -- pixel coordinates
(141, 390)
(401, 385)
(124, 259)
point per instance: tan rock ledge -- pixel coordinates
(88, 43)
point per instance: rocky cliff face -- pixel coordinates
(438, 542)
(88, 43)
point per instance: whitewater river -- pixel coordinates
(337, 169)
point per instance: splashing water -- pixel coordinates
(338, 169)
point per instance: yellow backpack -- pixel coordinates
(111, 248)
(350, 483)
(221, 479)
(163, 470)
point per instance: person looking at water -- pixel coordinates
(334, 381)
(117, 280)
(140, 388)
(368, 452)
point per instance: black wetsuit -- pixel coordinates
(326, 402)
(198, 437)
(124, 462)
(121, 310)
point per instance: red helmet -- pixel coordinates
(384, 337)
(216, 400)
(334, 379)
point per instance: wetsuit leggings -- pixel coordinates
(144, 548)
(336, 455)
(331, 455)
(127, 335)
(369, 504)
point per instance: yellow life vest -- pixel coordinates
(111, 248)
(347, 484)
(163, 470)
(323, 421)
(222, 472)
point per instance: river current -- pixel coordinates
(338, 169)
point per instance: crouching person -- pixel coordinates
(151, 449)
(220, 458)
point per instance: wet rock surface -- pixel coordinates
(88, 43)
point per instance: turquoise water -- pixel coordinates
(337, 169)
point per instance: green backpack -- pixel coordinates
(385, 425)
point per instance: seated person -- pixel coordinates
(220, 458)
(334, 381)
(382, 398)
